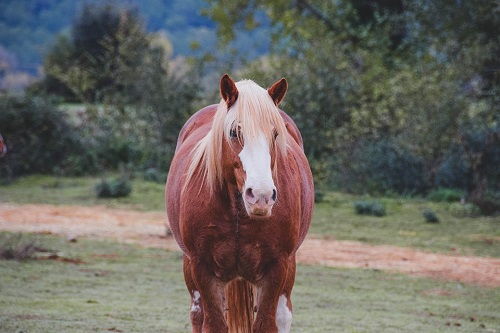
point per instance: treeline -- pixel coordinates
(132, 101)
(391, 96)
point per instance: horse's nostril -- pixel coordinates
(249, 193)
(274, 195)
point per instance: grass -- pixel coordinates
(80, 191)
(125, 288)
(403, 225)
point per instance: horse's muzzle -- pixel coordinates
(259, 203)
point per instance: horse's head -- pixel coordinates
(254, 133)
(3, 147)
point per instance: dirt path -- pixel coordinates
(148, 229)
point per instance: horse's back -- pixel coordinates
(200, 118)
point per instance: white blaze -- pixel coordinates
(283, 316)
(256, 160)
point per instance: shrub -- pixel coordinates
(430, 216)
(114, 188)
(464, 210)
(319, 196)
(37, 134)
(446, 195)
(15, 247)
(373, 208)
(454, 171)
(153, 175)
(382, 166)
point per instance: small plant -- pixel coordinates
(115, 188)
(319, 196)
(446, 195)
(17, 248)
(464, 210)
(153, 175)
(430, 216)
(373, 208)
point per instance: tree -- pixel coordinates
(413, 73)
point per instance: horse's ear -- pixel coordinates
(228, 90)
(278, 91)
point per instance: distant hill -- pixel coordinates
(28, 28)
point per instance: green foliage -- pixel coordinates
(38, 135)
(153, 175)
(430, 216)
(135, 101)
(367, 72)
(380, 167)
(373, 208)
(103, 56)
(446, 195)
(319, 195)
(464, 210)
(114, 188)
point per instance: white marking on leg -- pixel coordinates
(283, 316)
(195, 305)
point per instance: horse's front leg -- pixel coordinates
(211, 296)
(196, 311)
(273, 305)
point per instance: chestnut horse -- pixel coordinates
(3, 147)
(239, 199)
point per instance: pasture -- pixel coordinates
(104, 286)
(124, 288)
(334, 218)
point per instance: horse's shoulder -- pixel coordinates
(200, 118)
(292, 129)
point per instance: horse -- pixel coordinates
(239, 198)
(3, 147)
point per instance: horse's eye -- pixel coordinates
(275, 134)
(233, 134)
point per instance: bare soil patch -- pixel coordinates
(149, 229)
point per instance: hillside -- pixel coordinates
(28, 28)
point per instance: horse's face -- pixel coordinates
(250, 166)
(251, 161)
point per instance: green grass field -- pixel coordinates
(124, 288)
(335, 218)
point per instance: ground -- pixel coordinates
(105, 286)
(107, 269)
(149, 229)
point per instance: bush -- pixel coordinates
(446, 195)
(114, 188)
(464, 210)
(38, 136)
(430, 216)
(454, 171)
(373, 208)
(319, 196)
(153, 175)
(380, 167)
(15, 247)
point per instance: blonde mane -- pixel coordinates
(253, 112)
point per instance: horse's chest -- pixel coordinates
(242, 254)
